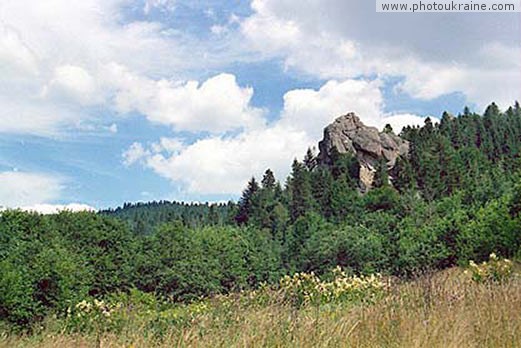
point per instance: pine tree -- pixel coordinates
(213, 217)
(264, 202)
(403, 175)
(301, 193)
(388, 129)
(310, 160)
(381, 177)
(268, 180)
(322, 183)
(246, 202)
(428, 129)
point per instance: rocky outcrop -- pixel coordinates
(347, 134)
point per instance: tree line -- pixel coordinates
(455, 197)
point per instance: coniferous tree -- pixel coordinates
(381, 176)
(213, 217)
(268, 180)
(322, 186)
(310, 160)
(301, 193)
(264, 202)
(403, 175)
(246, 203)
(388, 129)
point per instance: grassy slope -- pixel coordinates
(441, 310)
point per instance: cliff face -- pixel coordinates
(347, 134)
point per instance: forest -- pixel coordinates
(455, 198)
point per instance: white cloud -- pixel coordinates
(494, 65)
(169, 145)
(217, 105)
(57, 55)
(21, 189)
(218, 29)
(317, 52)
(34, 192)
(163, 5)
(56, 208)
(134, 153)
(219, 165)
(15, 56)
(336, 39)
(75, 83)
(311, 110)
(222, 165)
(398, 121)
(113, 128)
(22, 114)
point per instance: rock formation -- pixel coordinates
(347, 134)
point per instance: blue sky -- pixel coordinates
(105, 102)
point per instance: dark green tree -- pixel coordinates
(246, 203)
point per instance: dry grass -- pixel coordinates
(439, 310)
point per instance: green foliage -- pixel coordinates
(247, 203)
(301, 197)
(354, 247)
(455, 197)
(39, 271)
(144, 218)
(494, 270)
(307, 289)
(491, 229)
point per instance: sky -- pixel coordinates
(110, 101)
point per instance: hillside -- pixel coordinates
(453, 196)
(144, 218)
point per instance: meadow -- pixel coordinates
(450, 308)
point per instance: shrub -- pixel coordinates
(495, 270)
(306, 288)
(92, 316)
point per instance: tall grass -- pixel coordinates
(445, 309)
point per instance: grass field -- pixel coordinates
(444, 309)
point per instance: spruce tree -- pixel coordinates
(388, 129)
(381, 176)
(301, 193)
(310, 160)
(268, 180)
(246, 202)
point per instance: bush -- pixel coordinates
(492, 229)
(495, 270)
(306, 288)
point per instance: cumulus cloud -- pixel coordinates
(50, 58)
(310, 110)
(34, 192)
(222, 164)
(59, 57)
(73, 82)
(33, 116)
(217, 105)
(345, 39)
(21, 189)
(15, 56)
(56, 208)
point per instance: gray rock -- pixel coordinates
(349, 135)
